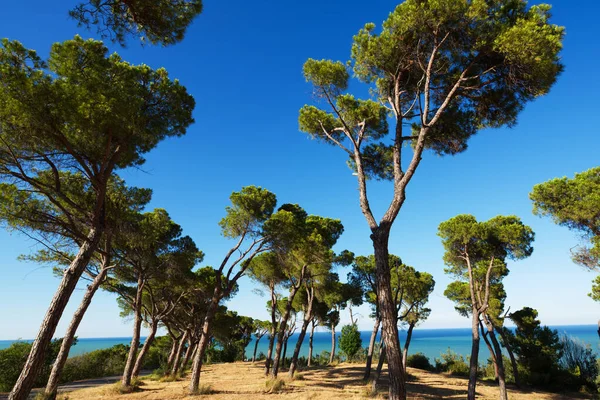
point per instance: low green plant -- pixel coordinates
(452, 363)
(419, 361)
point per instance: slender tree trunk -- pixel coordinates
(474, 356)
(380, 362)
(203, 344)
(177, 358)
(389, 315)
(37, 354)
(407, 345)
(284, 352)
(492, 354)
(147, 343)
(256, 348)
(135, 340)
(332, 354)
(310, 343)
(499, 360)
(63, 354)
(294, 362)
(188, 354)
(513, 361)
(174, 348)
(371, 349)
(269, 358)
(281, 333)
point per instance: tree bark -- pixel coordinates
(332, 354)
(407, 345)
(310, 343)
(147, 343)
(204, 340)
(284, 352)
(389, 315)
(474, 355)
(63, 354)
(371, 348)
(71, 276)
(172, 353)
(491, 350)
(256, 348)
(294, 362)
(269, 358)
(177, 358)
(135, 340)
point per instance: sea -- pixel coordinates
(431, 342)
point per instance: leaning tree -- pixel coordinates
(447, 69)
(476, 254)
(82, 111)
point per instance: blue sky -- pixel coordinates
(242, 61)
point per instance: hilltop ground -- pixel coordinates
(246, 381)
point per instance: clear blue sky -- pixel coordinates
(242, 62)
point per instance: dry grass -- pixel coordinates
(246, 381)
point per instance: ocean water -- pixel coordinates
(431, 342)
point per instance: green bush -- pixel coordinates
(419, 361)
(453, 363)
(350, 341)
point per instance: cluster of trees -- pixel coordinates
(446, 69)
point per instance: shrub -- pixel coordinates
(350, 341)
(579, 360)
(453, 363)
(274, 385)
(419, 361)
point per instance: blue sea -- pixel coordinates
(431, 342)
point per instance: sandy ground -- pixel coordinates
(246, 381)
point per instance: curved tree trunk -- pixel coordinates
(37, 354)
(474, 356)
(256, 348)
(284, 352)
(177, 358)
(513, 361)
(407, 345)
(174, 348)
(135, 340)
(491, 350)
(371, 348)
(282, 330)
(499, 360)
(269, 359)
(147, 343)
(294, 362)
(203, 344)
(389, 315)
(310, 343)
(332, 354)
(63, 354)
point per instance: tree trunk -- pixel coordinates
(379, 367)
(147, 343)
(203, 345)
(281, 333)
(269, 358)
(513, 361)
(177, 358)
(407, 345)
(389, 315)
(499, 360)
(256, 348)
(63, 354)
(174, 348)
(310, 343)
(188, 353)
(37, 355)
(371, 349)
(332, 354)
(492, 354)
(284, 352)
(135, 340)
(294, 362)
(474, 356)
